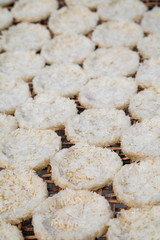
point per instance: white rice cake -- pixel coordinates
(145, 104)
(117, 34)
(5, 18)
(60, 79)
(25, 36)
(13, 93)
(6, 2)
(107, 92)
(92, 4)
(135, 224)
(23, 64)
(44, 112)
(150, 21)
(99, 127)
(69, 215)
(142, 140)
(7, 124)
(113, 62)
(21, 192)
(149, 46)
(84, 167)
(29, 148)
(33, 10)
(76, 19)
(122, 9)
(148, 74)
(8, 231)
(137, 184)
(67, 48)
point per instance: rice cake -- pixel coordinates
(135, 224)
(72, 215)
(142, 140)
(22, 64)
(99, 127)
(60, 79)
(148, 74)
(25, 36)
(137, 184)
(112, 62)
(33, 10)
(150, 21)
(67, 48)
(21, 192)
(73, 20)
(45, 112)
(13, 93)
(8, 231)
(122, 9)
(7, 124)
(5, 18)
(149, 46)
(29, 148)
(117, 34)
(107, 92)
(145, 104)
(83, 167)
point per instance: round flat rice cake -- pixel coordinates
(122, 9)
(84, 167)
(5, 18)
(142, 140)
(92, 4)
(113, 61)
(148, 74)
(107, 92)
(67, 48)
(29, 148)
(25, 36)
(99, 127)
(44, 112)
(8, 231)
(23, 64)
(21, 192)
(7, 124)
(73, 20)
(13, 93)
(149, 46)
(145, 104)
(33, 10)
(6, 2)
(150, 21)
(117, 34)
(135, 224)
(72, 215)
(137, 184)
(60, 79)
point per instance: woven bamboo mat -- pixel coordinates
(107, 191)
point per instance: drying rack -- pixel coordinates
(107, 192)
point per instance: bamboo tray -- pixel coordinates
(107, 192)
